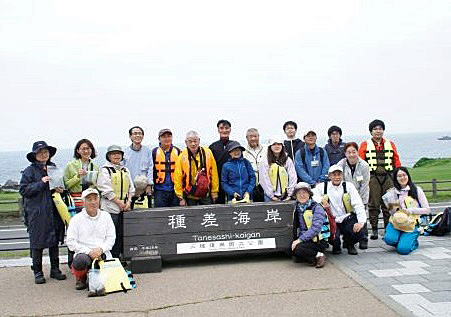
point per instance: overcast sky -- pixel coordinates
(70, 70)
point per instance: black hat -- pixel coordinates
(375, 123)
(333, 129)
(36, 147)
(233, 145)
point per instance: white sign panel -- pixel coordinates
(226, 245)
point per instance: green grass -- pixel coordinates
(429, 169)
(9, 209)
(25, 253)
(14, 254)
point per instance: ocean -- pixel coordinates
(411, 148)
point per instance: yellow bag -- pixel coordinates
(62, 208)
(114, 276)
(401, 221)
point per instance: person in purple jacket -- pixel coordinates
(308, 218)
(237, 176)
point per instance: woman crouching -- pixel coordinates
(406, 202)
(308, 219)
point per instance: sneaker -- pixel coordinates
(57, 275)
(320, 261)
(336, 250)
(39, 278)
(352, 250)
(363, 245)
(79, 285)
(345, 244)
(101, 292)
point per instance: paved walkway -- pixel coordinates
(419, 282)
(378, 282)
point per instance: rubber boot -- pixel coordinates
(54, 264)
(374, 233)
(37, 266)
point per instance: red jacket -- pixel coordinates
(380, 147)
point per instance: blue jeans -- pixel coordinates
(405, 242)
(163, 198)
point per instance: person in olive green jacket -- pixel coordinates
(80, 173)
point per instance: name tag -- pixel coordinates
(315, 163)
(359, 178)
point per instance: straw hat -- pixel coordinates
(401, 221)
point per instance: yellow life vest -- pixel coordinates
(119, 181)
(371, 155)
(410, 202)
(279, 178)
(325, 232)
(141, 203)
(346, 197)
(160, 164)
(308, 219)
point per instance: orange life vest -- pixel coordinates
(160, 164)
(201, 167)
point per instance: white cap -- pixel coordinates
(302, 185)
(275, 139)
(89, 191)
(335, 168)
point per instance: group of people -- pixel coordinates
(342, 180)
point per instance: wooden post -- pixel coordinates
(434, 187)
(20, 204)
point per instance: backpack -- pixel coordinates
(440, 224)
(201, 183)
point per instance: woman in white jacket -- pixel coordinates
(116, 187)
(277, 173)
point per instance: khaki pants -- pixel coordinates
(378, 187)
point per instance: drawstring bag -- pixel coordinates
(95, 280)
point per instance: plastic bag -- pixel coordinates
(90, 178)
(391, 200)
(96, 283)
(56, 177)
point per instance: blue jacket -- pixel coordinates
(308, 173)
(44, 225)
(237, 176)
(300, 230)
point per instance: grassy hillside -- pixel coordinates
(9, 209)
(427, 169)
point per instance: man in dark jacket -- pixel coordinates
(335, 145)
(219, 152)
(292, 144)
(45, 226)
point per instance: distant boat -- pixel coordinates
(446, 137)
